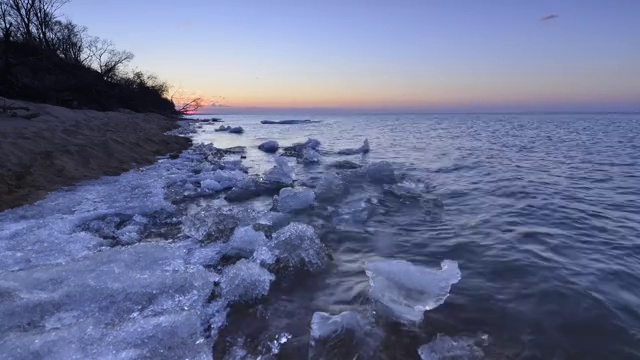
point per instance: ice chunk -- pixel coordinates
(140, 301)
(244, 241)
(223, 128)
(361, 150)
(345, 165)
(236, 130)
(210, 185)
(355, 212)
(215, 223)
(453, 348)
(270, 146)
(244, 281)
(343, 336)
(292, 199)
(281, 174)
(325, 326)
(407, 290)
(406, 189)
(312, 143)
(310, 156)
(246, 189)
(297, 246)
(381, 173)
(331, 187)
(229, 178)
(208, 255)
(271, 222)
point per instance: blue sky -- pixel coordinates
(443, 55)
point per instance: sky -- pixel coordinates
(395, 55)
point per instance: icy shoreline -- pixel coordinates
(132, 267)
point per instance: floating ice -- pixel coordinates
(453, 348)
(345, 165)
(270, 146)
(244, 241)
(361, 150)
(343, 336)
(244, 281)
(331, 187)
(236, 130)
(229, 178)
(141, 301)
(312, 143)
(325, 326)
(406, 189)
(279, 175)
(246, 189)
(310, 156)
(271, 222)
(295, 246)
(292, 199)
(407, 290)
(223, 128)
(354, 212)
(381, 173)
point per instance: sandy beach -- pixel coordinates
(63, 146)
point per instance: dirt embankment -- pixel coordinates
(61, 147)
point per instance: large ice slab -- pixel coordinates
(142, 301)
(406, 290)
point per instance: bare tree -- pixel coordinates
(105, 58)
(190, 106)
(69, 41)
(45, 17)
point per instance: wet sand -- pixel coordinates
(63, 146)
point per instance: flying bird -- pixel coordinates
(549, 17)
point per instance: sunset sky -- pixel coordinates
(413, 55)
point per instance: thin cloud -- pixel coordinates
(549, 17)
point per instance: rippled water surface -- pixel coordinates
(542, 212)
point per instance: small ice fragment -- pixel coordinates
(297, 245)
(343, 336)
(364, 149)
(210, 185)
(229, 178)
(292, 199)
(236, 130)
(331, 187)
(270, 146)
(244, 281)
(310, 156)
(453, 348)
(381, 173)
(325, 326)
(244, 241)
(407, 290)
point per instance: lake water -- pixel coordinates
(541, 213)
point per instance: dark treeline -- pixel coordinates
(47, 58)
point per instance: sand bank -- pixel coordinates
(62, 146)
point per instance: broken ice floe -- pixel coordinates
(296, 246)
(293, 199)
(405, 291)
(364, 149)
(454, 348)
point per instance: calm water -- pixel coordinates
(542, 212)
